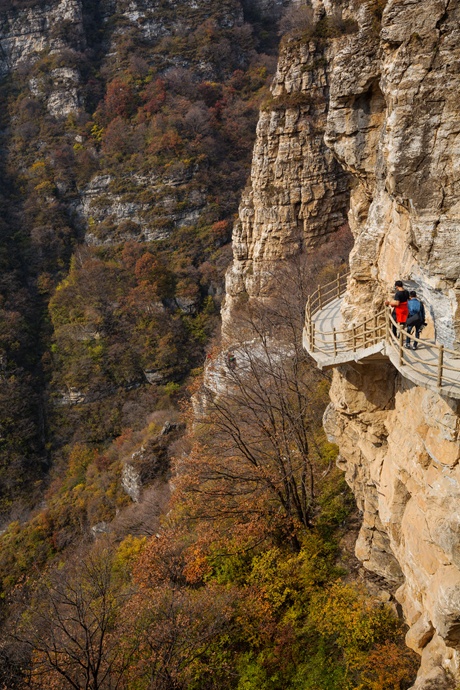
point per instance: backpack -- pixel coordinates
(416, 312)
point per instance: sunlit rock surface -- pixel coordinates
(384, 100)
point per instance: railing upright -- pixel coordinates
(338, 284)
(320, 299)
(401, 346)
(440, 364)
(334, 335)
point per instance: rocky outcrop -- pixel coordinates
(298, 193)
(109, 216)
(150, 462)
(385, 97)
(393, 124)
(25, 34)
(400, 450)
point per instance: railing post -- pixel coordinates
(387, 325)
(320, 299)
(338, 284)
(310, 323)
(364, 333)
(440, 365)
(401, 346)
(312, 336)
(334, 335)
(376, 333)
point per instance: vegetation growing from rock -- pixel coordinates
(117, 218)
(237, 589)
(104, 292)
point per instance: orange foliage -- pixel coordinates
(387, 667)
(119, 99)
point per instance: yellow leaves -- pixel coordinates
(344, 613)
(274, 576)
(128, 552)
(46, 188)
(79, 458)
(38, 168)
(97, 132)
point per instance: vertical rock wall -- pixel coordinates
(298, 193)
(385, 96)
(393, 123)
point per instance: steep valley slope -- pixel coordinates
(108, 151)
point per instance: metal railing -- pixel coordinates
(438, 365)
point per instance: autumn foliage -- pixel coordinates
(106, 315)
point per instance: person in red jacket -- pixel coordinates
(399, 304)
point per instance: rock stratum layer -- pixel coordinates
(386, 98)
(298, 193)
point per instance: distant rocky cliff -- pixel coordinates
(298, 193)
(385, 95)
(77, 47)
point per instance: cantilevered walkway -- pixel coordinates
(330, 343)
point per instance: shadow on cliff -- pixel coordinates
(23, 457)
(370, 387)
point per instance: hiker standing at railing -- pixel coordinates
(399, 304)
(416, 318)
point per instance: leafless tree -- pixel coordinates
(261, 413)
(70, 626)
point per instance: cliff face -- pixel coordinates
(25, 35)
(298, 193)
(393, 123)
(390, 116)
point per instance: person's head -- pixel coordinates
(412, 294)
(399, 285)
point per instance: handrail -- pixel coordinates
(436, 369)
(378, 328)
(327, 293)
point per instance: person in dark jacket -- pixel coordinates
(416, 318)
(399, 304)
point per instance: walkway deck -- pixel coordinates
(431, 365)
(324, 352)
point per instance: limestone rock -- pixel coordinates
(384, 100)
(393, 124)
(298, 193)
(24, 34)
(131, 481)
(420, 634)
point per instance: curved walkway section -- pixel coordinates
(330, 344)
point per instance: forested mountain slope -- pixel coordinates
(126, 142)
(126, 137)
